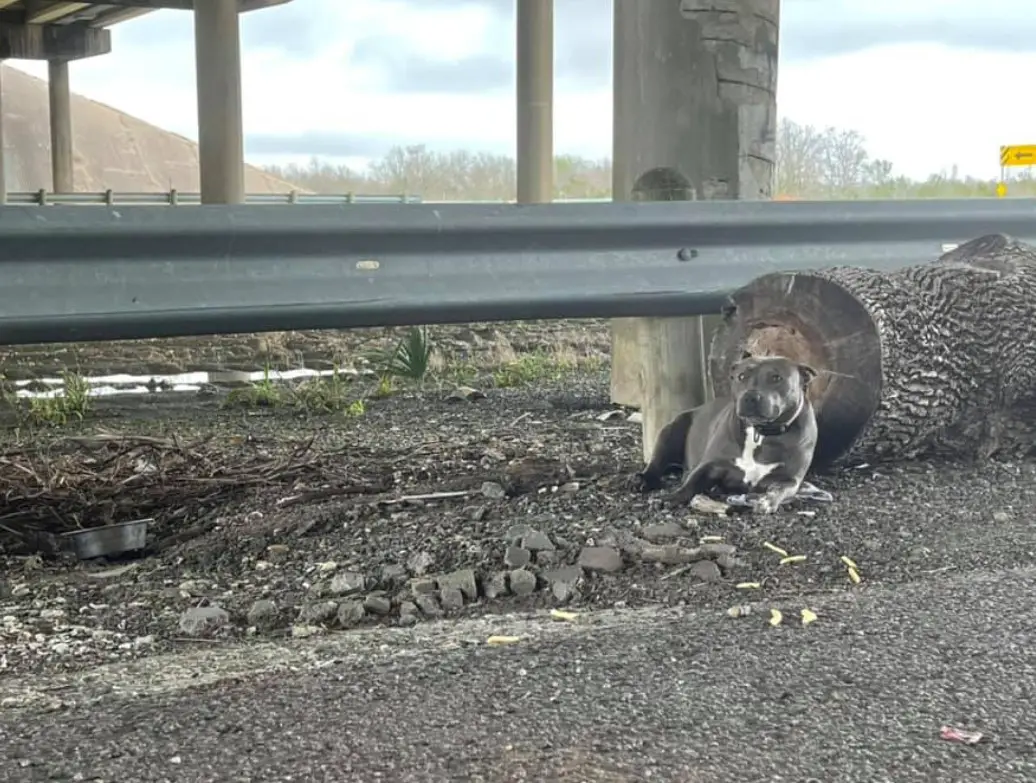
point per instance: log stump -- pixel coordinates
(931, 360)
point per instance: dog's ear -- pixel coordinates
(807, 374)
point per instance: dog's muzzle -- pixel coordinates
(759, 408)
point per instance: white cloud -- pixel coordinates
(925, 106)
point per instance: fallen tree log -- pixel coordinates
(931, 360)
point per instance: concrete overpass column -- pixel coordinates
(695, 114)
(61, 161)
(217, 49)
(535, 96)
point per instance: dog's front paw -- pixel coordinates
(646, 481)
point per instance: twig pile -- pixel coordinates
(86, 482)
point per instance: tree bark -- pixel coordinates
(931, 360)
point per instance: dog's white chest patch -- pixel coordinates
(754, 470)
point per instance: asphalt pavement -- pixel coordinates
(860, 694)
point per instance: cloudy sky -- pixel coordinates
(930, 83)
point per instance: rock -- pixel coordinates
(465, 394)
(277, 553)
(263, 613)
(303, 631)
(564, 581)
(429, 605)
(670, 554)
(350, 613)
(517, 557)
(563, 592)
(377, 604)
(522, 582)
(423, 586)
(193, 588)
(393, 575)
(408, 613)
(570, 487)
(729, 562)
(452, 599)
(202, 620)
(495, 585)
(571, 574)
(318, 613)
(707, 571)
(535, 541)
(463, 580)
(516, 533)
(1001, 517)
(718, 549)
(492, 490)
(663, 531)
(604, 559)
(419, 563)
(546, 557)
(347, 583)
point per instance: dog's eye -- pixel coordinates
(742, 377)
(775, 377)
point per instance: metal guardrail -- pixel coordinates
(174, 198)
(70, 274)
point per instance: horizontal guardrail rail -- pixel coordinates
(175, 197)
(70, 274)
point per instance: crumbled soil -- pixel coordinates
(545, 476)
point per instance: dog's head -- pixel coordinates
(769, 389)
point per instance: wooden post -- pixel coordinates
(695, 86)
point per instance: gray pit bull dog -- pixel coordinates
(757, 442)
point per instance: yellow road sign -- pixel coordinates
(1018, 155)
(1001, 190)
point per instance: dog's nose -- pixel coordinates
(751, 402)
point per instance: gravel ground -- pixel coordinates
(617, 696)
(542, 515)
(346, 637)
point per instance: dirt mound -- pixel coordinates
(112, 150)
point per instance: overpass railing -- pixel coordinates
(175, 197)
(69, 274)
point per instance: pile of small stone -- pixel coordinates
(533, 562)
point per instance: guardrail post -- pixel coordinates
(695, 118)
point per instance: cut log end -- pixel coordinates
(814, 320)
(936, 359)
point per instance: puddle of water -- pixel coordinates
(110, 385)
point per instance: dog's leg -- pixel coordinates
(668, 455)
(771, 493)
(697, 482)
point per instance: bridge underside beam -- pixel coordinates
(52, 41)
